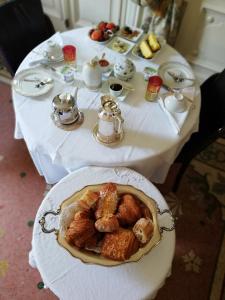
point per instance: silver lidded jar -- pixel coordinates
(65, 108)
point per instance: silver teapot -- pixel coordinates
(65, 108)
(110, 122)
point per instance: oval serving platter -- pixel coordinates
(91, 257)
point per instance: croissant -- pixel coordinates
(119, 245)
(108, 223)
(80, 229)
(129, 210)
(107, 203)
(88, 200)
(143, 230)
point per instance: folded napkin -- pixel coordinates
(177, 120)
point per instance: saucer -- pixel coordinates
(110, 144)
(71, 126)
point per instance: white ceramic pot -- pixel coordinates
(92, 75)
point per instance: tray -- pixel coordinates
(92, 258)
(129, 37)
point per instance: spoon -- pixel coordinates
(179, 78)
(43, 82)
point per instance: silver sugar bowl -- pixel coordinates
(65, 108)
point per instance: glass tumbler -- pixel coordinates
(69, 53)
(153, 87)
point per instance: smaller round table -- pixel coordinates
(69, 278)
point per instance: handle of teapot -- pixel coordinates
(119, 120)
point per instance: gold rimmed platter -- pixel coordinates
(70, 205)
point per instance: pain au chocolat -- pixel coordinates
(119, 245)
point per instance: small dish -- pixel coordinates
(120, 45)
(130, 33)
(108, 73)
(137, 52)
(175, 104)
(108, 144)
(26, 82)
(104, 65)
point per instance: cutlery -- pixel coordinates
(43, 82)
(31, 80)
(39, 61)
(179, 78)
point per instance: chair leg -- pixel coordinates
(179, 176)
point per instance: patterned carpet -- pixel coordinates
(199, 262)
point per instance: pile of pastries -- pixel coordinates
(110, 224)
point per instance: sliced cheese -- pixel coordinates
(153, 42)
(145, 50)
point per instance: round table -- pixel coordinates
(69, 278)
(150, 144)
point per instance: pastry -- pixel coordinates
(145, 212)
(145, 50)
(80, 229)
(108, 223)
(129, 210)
(88, 200)
(119, 245)
(108, 200)
(153, 42)
(143, 230)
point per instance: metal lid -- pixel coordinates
(63, 102)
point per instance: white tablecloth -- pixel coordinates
(69, 278)
(150, 144)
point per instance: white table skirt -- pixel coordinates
(69, 278)
(149, 146)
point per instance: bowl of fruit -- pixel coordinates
(103, 32)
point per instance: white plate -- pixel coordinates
(136, 50)
(178, 69)
(25, 82)
(129, 37)
(129, 45)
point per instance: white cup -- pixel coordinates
(115, 89)
(53, 50)
(176, 103)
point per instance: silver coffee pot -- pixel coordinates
(110, 122)
(65, 108)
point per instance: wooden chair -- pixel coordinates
(211, 125)
(23, 25)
